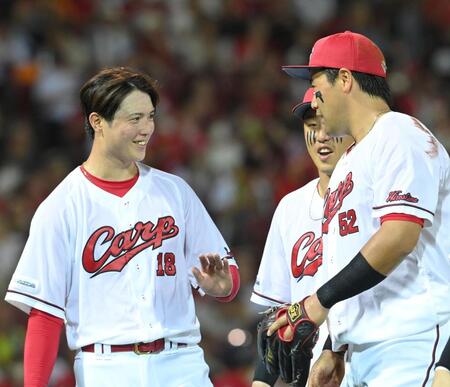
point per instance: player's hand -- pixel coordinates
(328, 370)
(315, 311)
(214, 277)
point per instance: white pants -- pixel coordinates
(404, 362)
(177, 367)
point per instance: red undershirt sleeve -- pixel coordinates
(41, 347)
(234, 271)
(405, 217)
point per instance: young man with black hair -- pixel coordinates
(114, 252)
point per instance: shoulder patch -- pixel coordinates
(26, 284)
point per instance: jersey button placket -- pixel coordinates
(139, 270)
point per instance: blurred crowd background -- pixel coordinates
(224, 122)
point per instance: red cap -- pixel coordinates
(300, 109)
(345, 49)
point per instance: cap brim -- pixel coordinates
(298, 71)
(300, 109)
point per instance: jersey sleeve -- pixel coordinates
(202, 235)
(405, 174)
(272, 286)
(40, 279)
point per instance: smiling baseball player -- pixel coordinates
(385, 226)
(291, 265)
(114, 251)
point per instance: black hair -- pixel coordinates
(106, 90)
(309, 113)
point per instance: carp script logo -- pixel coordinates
(124, 246)
(312, 259)
(334, 201)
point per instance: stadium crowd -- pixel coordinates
(224, 122)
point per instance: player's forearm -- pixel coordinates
(390, 244)
(41, 347)
(385, 250)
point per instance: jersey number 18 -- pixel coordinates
(166, 264)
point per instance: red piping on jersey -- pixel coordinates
(41, 347)
(118, 188)
(404, 217)
(268, 298)
(235, 287)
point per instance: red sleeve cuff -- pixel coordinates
(234, 271)
(404, 217)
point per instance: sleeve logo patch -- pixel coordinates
(395, 196)
(28, 284)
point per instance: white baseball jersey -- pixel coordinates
(117, 269)
(399, 167)
(291, 265)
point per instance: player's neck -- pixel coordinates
(322, 186)
(365, 116)
(109, 169)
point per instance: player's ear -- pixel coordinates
(96, 121)
(345, 79)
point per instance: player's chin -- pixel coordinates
(326, 167)
(139, 155)
(141, 158)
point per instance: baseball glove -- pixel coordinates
(290, 359)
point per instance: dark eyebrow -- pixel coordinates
(140, 114)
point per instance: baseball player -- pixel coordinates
(113, 253)
(442, 374)
(385, 226)
(291, 265)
